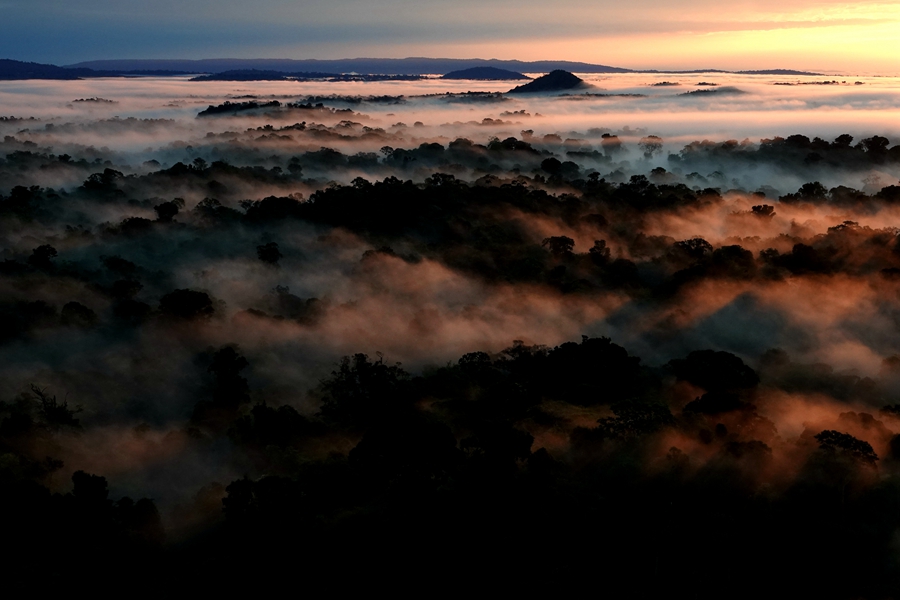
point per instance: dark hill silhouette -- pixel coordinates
(258, 75)
(484, 74)
(554, 81)
(398, 66)
(776, 72)
(15, 69)
(791, 72)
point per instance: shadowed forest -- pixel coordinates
(399, 337)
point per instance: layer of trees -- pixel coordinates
(561, 467)
(446, 479)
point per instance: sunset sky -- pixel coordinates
(828, 35)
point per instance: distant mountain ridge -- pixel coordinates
(17, 70)
(256, 75)
(398, 66)
(14, 69)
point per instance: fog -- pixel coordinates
(416, 222)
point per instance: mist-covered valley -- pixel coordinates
(433, 324)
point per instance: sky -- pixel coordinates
(823, 35)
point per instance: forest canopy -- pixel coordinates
(383, 336)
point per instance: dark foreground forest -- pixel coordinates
(345, 357)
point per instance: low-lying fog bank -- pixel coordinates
(331, 296)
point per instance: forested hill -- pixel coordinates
(16, 70)
(400, 66)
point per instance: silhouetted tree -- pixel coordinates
(843, 141)
(119, 265)
(230, 389)
(650, 145)
(559, 245)
(361, 391)
(714, 371)
(813, 192)
(551, 165)
(166, 211)
(41, 256)
(186, 304)
(599, 252)
(53, 414)
(269, 253)
(225, 394)
(611, 144)
(267, 426)
(763, 210)
(844, 444)
(77, 315)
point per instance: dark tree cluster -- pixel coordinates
(59, 537)
(472, 228)
(795, 149)
(545, 468)
(446, 477)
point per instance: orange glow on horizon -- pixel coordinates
(849, 38)
(836, 48)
